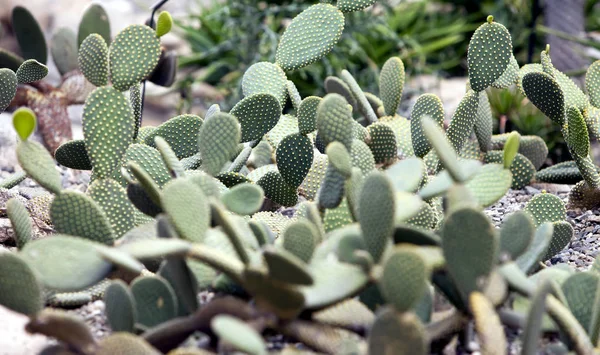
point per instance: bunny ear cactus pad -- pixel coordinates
(427, 105)
(300, 239)
(29, 35)
(265, 78)
(20, 220)
(164, 23)
(39, 165)
(257, 115)
(76, 214)
(346, 6)
(490, 184)
(64, 50)
(21, 290)
(334, 120)
(376, 213)
(294, 158)
(398, 333)
(490, 50)
(307, 114)
(404, 279)
(546, 207)
(218, 140)
(93, 59)
(108, 128)
(31, 71)
(73, 155)
(277, 190)
(94, 20)
(510, 75)
(8, 87)
(578, 137)
(391, 84)
(470, 247)
(545, 93)
(181, 132)
(187, 207)
(133, 56)
(592, 83)
(112, 198)
(463, 120)
(294, 94)
(311, 35)
(155, 300)
(120, 308)
(484, 123)
(24, 122)
(383, 143)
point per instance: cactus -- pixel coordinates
(31, 71)
(257, 115)
(239, 334)
(294, 157)
(265, 78)
(391, 83)
(94, 20)
(8, 87)
(29, 35)
(22, 290)
(63, 47)
(120, 308)
(426, 105)
(93, 59)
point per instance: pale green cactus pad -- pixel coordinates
(108, 128)
(31, 71)
(545, 93)
(325, 24)
(120, 308)
(490, 184)
(39, 165)
(426, 105)
(383, 143)
(257, 115)
(239, 334)
(577, 138)
(286, 125)
(24, 122)
(376, 213)
(404, 279)
(490, 50)
(300, 239)
(346, 6)
(243, 199)
(76, 214)
(113, 200)
(93, 59)
(294, 94)
(315, 176)
(334, 120)
(463, 120)
(8, 87)
(592, 83)
(181, 132)
(391, 84)
(516, 234)
(335, 85)
(149, 160)
(307, 114)
(73, 155)
(155, 300)
(579, 292)
(22, 291)
(133, 56)
(294, 157)
(64, 50)
(265, 78)
(398, 333)
(218, 140)
(187, 208)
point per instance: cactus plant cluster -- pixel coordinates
(188, 206)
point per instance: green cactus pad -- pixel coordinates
(29, 35)
(315, 176)
(257, 115)
(112, 198)
(294, 157)
(376, 213)
(407, 174)
(135, 101)
(545, 93)
(243, 199)
(538, 247)
(463, 120)
(334, 118)
(187, 208)
(286, 267)
(307, 114)
(8, 87)
(300, 239)
(287, 125)
(577, 138)
(265, 78)
(522, 169)
(443, 148)
(404, 279)
(183, 281)
(391, 84)
(273, 296)
(146, 193)
(94, 20)
(24, 122)
(362, 157)
(516, 234)
(398, 333)
(155, 300)
(149, 160)
(73, 155)
(231, 179)
(383, 143)
(325, 24)
(489, 54)
(120, 308)
(562, 173)
(31, 71)
(364, 106)
(490, 184)
(426, 105)
(22, 291)
(218, 140)
(76, 214)
(592, 119)
(277, 190)
(13, 180)
(38, 164)
(470, 246)
(337, 217)
(331, 191)
(133, 56)
(239, 334)
(59, 255)
(339, 158)
(561, 237)
(163, 23)
(510, 75)
(533, 147)
(93, 59)
(64, 50)
(580, 291)
(573, 94)
(181, 132)
(335, 85)
(108, 128)
(484, 123)
(546, 207)
(169, 158)
(295, 97)
(346, 6)
(592, 83)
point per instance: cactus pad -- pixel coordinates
(257, 115)
(404, 279)
(545, 93)
(376, 213)
(580, 291)
(31, 71)
(522, 169)
(73, 155)
(29, 35)
(592, 83)
(426, 105)
(94, 20)
(577, 138)
(346, 6)
(187, 207)
(8, 87)
(546, 207)
(295, 97)
(383, 143)
(510, 75)
(277, 190)
(463, 120)
(391, 84)
(489, 54)
(323, 22)
(307, 114)
(148, 160)
(24, 122)
(243, 199)
(22, 291)
(240, 335)
(218, 140)
(561, 237)
(398, 333)
(286, 267)
(38, 164)
(64, 50)
(490, 184)
(112, 198)
(294, 158)
(490, 331)
(108, 128)
(315, 176)
(300, 239)
(93, 59)
(120, 308)
(516, 234)
(155, 300)
(335, 85)
(265, 78)
(334, 120)
(287, 125)
(484, 123)
(133, 56)
(163, 23)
